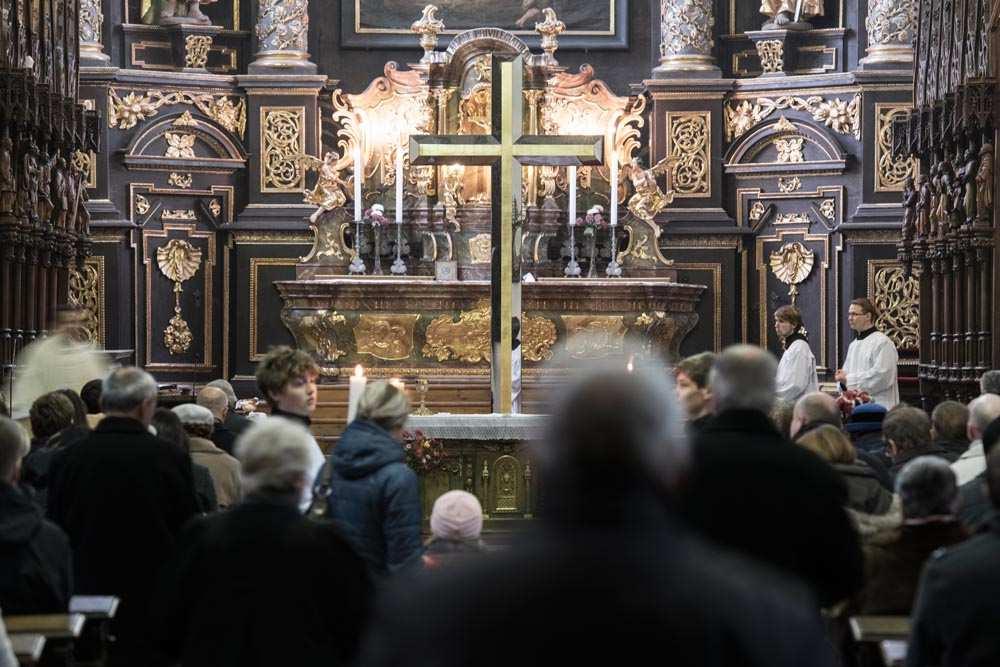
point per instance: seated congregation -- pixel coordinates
(690, 512)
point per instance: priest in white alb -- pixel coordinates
(871, 357)
(797, 368)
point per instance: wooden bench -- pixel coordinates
(27, 648)
(59, 630)
(890, 633)
(91, 648)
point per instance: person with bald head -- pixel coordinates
(982, 410)
(745, 473)
(217, 402)
(234, 421)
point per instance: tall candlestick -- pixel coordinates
(572, 195)
(573, 268)
(358, 177)
(399, 185)
(357, 387)
(614, 189)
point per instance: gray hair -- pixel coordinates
(742, 377)
(227, 389)
(125, 389)
(275, 456)
(990, 382)
(610, 426)
(819, 407)
(189, 414)
(983, 410)
(383, 404)
(907, 427)
(14, 446)
(927, 487)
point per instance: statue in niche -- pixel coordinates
(57, 188)
(984, 184)
(331, 190)
(44, 194)
(175, 12)
(967, 183)
(935, 188)
(783, 13)
(28, 194)
(8, 189)
(909, 208)
(923, 206)
(944, 181)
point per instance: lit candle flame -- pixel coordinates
(358, 371)
(630, 366)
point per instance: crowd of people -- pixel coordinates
(723, 512)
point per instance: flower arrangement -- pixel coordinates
(423, 454)
(375, 216)
(593, 221)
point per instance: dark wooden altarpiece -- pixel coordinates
(783, 170)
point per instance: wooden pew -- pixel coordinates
(91, 649)
(891, 633)
(27, 648)
(59, 630)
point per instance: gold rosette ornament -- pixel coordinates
(179, 261)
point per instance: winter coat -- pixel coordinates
(905, 457)
(375, 498)
(864, 491)
(261, 585)
(223, 468)
(35, 559)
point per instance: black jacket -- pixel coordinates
(223, 438)
(237, 423)
(865, 492)
(755, 492)
(262, 585)
(122, 495)
(35, 560)
(975, 509)
(608, 592)
(903, 458)
(957, 612)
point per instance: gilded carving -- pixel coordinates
(839, 115)
(786, 184)
(890, 173)
(179, 145)
(84, 292)
(507, 478)
(142, 205)
(538, 335)
(792, 219)
(828, 209)
(594, 336)
(316, 331)
(182, 181)
(388, 337)
(550, 29)
(689, 141)
(185, 120)
(428, 26)
(283, 25)
(897, 299)
(91, 19)
(178, 214)
(772, 55)
(686, 27)
(215, 207)
(757, 210)
(790, 149)
(891, 22)
(331, 190)
(660, 333)
(282, 145)
(791, 264)
(196, 50)
(479, 248)
(126, 112)
(178, 261)
(467, 340)
(84, 163)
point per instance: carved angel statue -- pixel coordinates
(967, 185)
(783, 13)
(909, 208)
(791, 264)
(984, 184)
(648, 199)
(174, 12)
(945, 184)
(923, 206)
(8, 188)
(179, 260)
(331, 191)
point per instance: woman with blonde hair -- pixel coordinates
(374, 497)
(864, 492)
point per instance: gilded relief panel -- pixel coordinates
(283, 144)
(890, 173)
(384, 336)
(594, 336)
(689, 141)
(897, 300)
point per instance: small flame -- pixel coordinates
(630, 366)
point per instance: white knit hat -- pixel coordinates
(457, 515)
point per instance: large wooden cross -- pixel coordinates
(506, 151)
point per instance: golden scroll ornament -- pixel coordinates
(178, 261)
(791, 264)
(126, 112)
(897, 299)
(196, 50)
(467, 340)
(388, 337)
(538, 335)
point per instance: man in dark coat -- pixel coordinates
(907, 433)
(261, 584)
(753, 491)
(234, 422)
(35, 560)
(957, 611)
(122, 496)
(610, 578)
(949, 426)
(974, 507)
(215, 400)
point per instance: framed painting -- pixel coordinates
(590, 24)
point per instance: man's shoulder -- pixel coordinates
(968, 558)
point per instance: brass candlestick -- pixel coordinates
(422, 392)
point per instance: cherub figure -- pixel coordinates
(331, 191)
(648, 199)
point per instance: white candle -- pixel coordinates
(358, 177)
(399, 185)
(614, 188)
(572, 196)
(398, 384)
(357, 387)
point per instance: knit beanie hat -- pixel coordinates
(866, 418)
(457, 515)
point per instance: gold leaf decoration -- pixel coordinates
(179, 145)
(594, 336)
(126, 112)
(177, 337)
(178, 260)
(791, 264)
(388, 337)
(317, 332)
(790, 149)
(467, 340)
(479, 248)
(897, 299)
(837, 114)
(84, 292)
(538, 335)
(183, 181)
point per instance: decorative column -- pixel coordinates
(687, 30)
(91, 42)
(282, 38)
(891, 27)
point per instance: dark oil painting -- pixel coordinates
(584, 17)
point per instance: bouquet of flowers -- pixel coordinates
(850, 399)
(593, 221)
(375, 216)
(423, 454)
